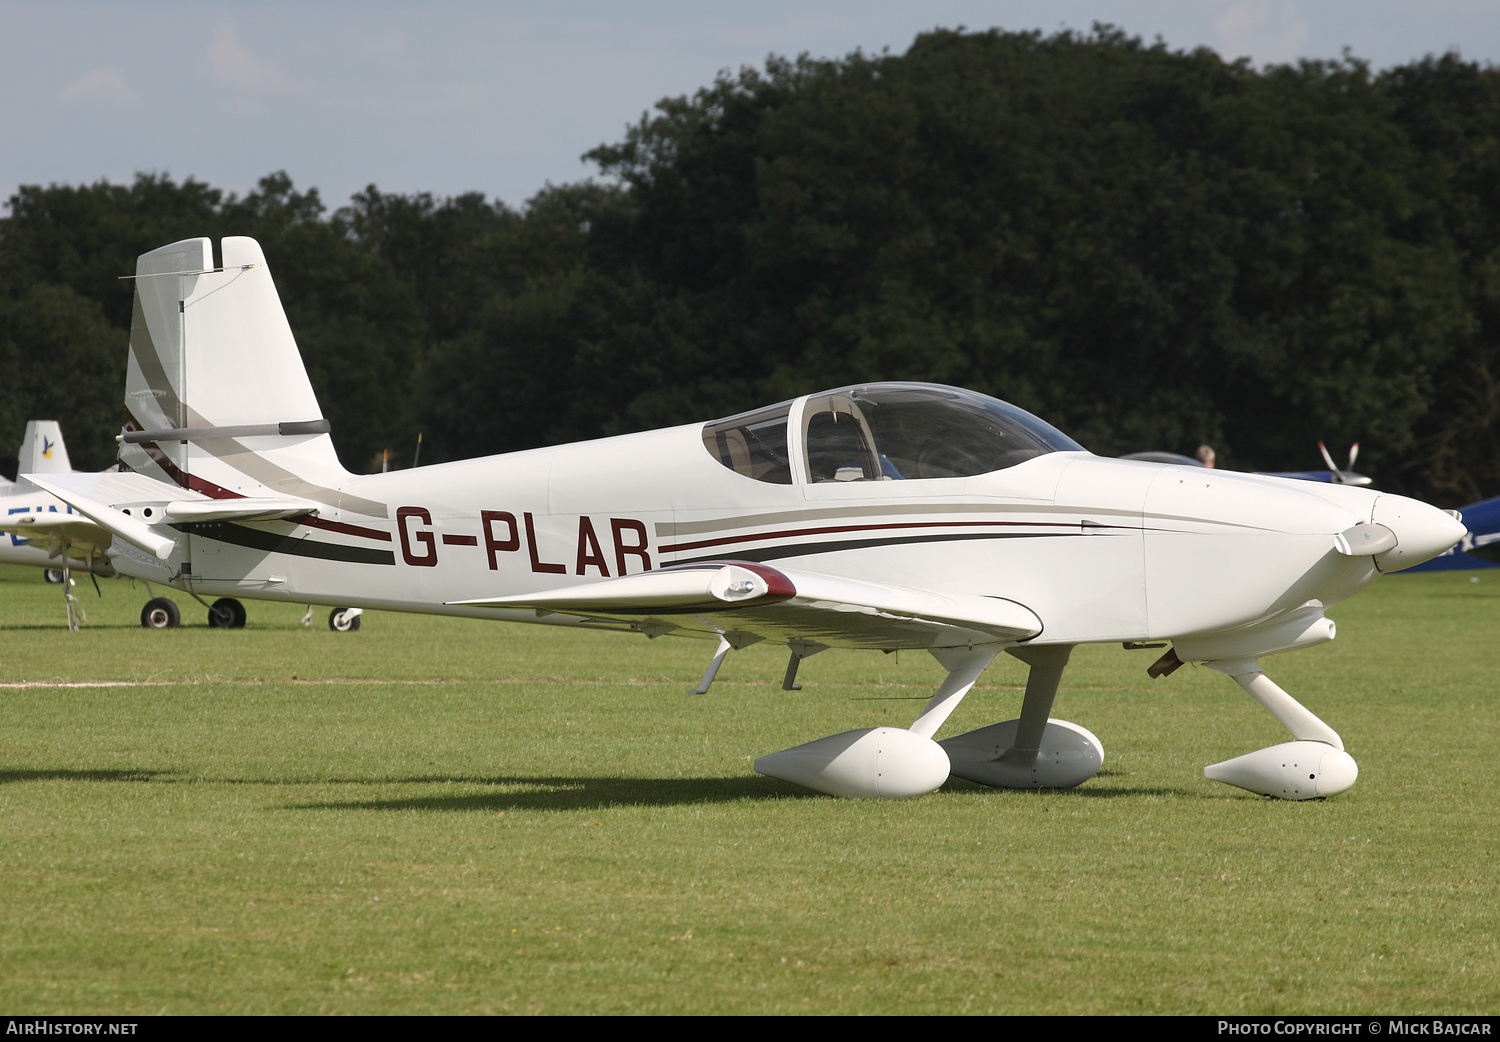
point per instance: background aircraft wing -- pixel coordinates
(56, 530)
(1480, 546)
(758, 602)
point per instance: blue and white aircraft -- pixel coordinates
(1481, 532)
(1332, 476)
(41, 531)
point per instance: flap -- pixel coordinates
(678, 590)
(784, 604)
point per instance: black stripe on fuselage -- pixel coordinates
(774, 553)
(259, 539)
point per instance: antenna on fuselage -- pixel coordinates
(417, 456)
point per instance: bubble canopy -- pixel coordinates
(881, 432)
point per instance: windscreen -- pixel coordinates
(932, 431)
(885, 432)
(753, 443)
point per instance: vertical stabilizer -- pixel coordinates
(216, 397)
(42, 450)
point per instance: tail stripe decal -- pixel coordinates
(259, 539)
(213, 491)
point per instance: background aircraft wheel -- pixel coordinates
(54, 575)
(226, 614)
(339, 622)
(160, 614)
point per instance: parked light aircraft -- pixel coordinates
(39, 530)
(1333, 475)
(1481, 534)
(879, 516)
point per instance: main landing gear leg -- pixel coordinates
(1033, 751)
(1314, 765)
(885, 762)
(75, 610)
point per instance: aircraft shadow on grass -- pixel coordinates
(545, 793)
(59, 774)
(559, 793)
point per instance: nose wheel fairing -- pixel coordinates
(1290, 771)
(1313, 766)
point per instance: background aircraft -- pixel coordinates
(39, 530)
(1481, 533)
(880, 517)
(1333, 475)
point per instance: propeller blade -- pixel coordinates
(1353, 455)
(1326, 457)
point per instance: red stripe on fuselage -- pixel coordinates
(187, 481)
(792, 532)
(212, 491)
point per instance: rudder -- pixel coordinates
(217, 398)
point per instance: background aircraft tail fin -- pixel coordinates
(216, 396)
(42, 450)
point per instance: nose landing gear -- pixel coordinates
(1314, 765)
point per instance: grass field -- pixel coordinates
(445, 816)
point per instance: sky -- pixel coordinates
(503, 98)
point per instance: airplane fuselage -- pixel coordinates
(1099, 549)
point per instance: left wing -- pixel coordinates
(73, 534)
(758, 602)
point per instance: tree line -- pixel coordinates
(1149, 248)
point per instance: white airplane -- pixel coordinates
(39, 530)
(880, 516)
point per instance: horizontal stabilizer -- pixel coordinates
(242, 509)
(118, 523)
(299, 429)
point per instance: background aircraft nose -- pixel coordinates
(1422, 531)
